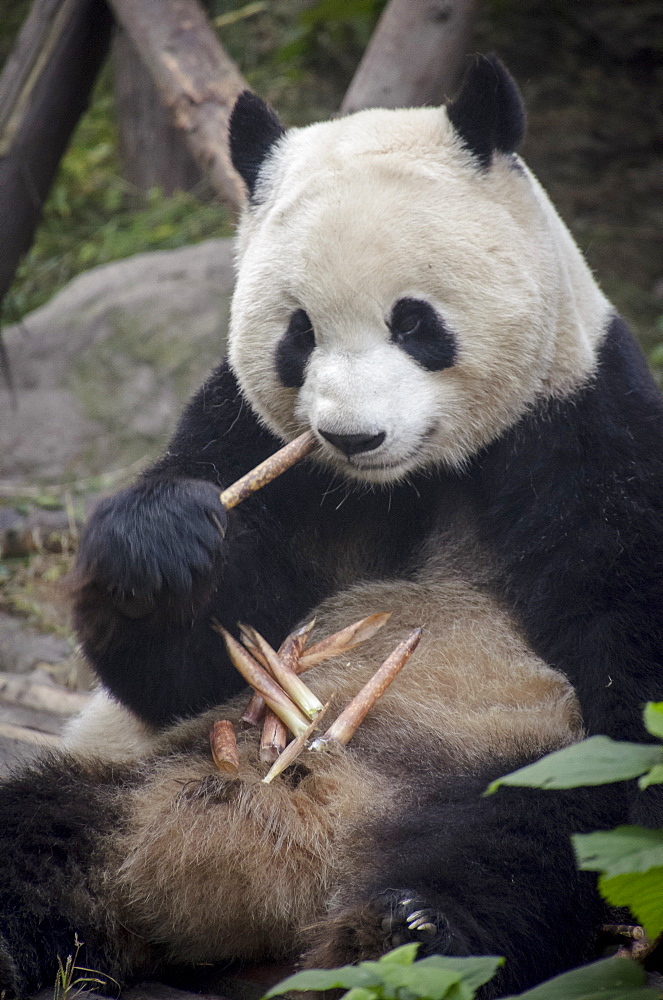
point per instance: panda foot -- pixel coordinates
(368, 930)
(411, 920)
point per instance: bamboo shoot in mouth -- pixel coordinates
(274, 466)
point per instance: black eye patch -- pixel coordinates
(294, 349)
(421, 332)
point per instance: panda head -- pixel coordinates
(404, 287)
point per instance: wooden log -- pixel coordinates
(197, 80)
(18, 690)
(23, 735)
(153, 153)
(414, 56)
(44, 89)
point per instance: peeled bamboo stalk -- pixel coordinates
(293, 749)
(259, 679)
(341, 642)
(255, 711)
(343, 729)
(254, 714)
(273, 739)
(272, 467)
(333, 645)
(293, 645)
(224, 747)
(274, 734)
(294, 687)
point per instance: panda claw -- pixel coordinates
(403, 923)
(421, 921)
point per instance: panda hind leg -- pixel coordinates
(55, 818)
(466, 875)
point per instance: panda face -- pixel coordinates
(398, 300)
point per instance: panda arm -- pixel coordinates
(162, 557)
(571, 503)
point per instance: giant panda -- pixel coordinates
(489, 467)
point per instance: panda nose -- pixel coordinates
(354, 444)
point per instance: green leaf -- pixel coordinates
(474, 972)
(654, 718)
(653, 777)
(396, 976)
(405, 955)
(642, 893)
(414, 982)
(618, 852)
(347, 977)
(610, 979)
(596, 761)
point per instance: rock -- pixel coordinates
(22, 647)
(101, 371)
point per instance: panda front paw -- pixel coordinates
(157, 537)
(387, 920)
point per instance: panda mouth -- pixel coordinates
(401, 464)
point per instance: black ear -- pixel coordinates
(488, 113)
(254, 128)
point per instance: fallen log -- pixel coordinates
(18, 690)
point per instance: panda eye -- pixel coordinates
(422, 333)
(294, 349)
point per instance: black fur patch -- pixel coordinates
(54, 819)
(421, 332)
(571, 499)
(254, 128)
(488, 113)
(294, 349)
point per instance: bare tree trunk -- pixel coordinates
(197, 81)
(414, 56)
(44, 89)
(153, 152)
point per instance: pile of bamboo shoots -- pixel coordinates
(281, 701)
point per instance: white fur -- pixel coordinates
(360, 212)
(105, 728)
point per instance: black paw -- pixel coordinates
(162, 536)
(408, 918)
(366, 930)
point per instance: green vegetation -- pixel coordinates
(397, 976)
(69, 984)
